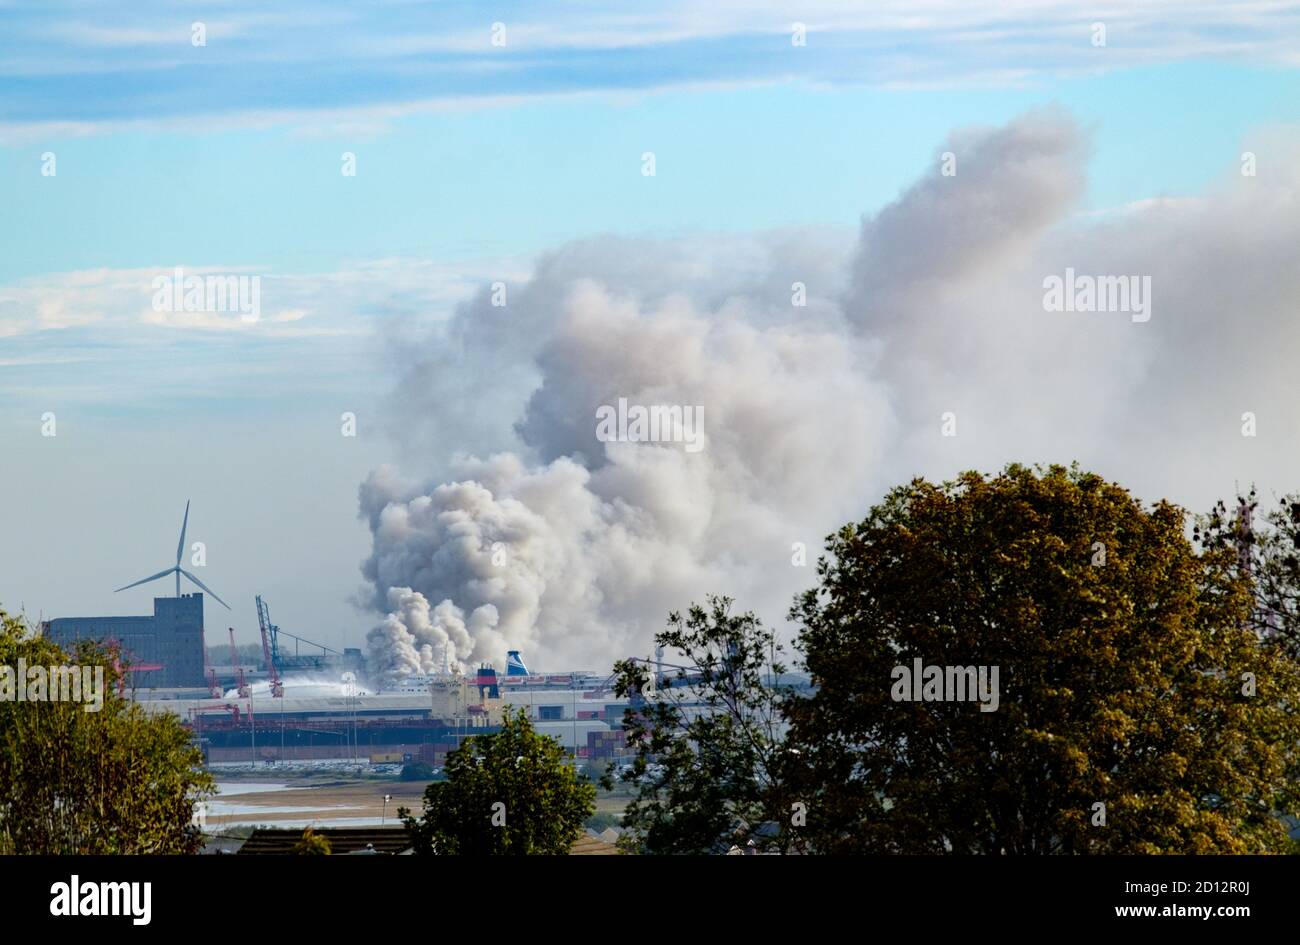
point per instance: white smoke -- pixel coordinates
(300, 686)
(574, 550)
(415, 638)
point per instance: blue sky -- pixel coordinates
(471, 160)
(229, 153)
(514, 179)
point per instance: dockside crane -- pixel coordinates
(122, 668)
(241, 684)
(273, 634)
(268, 655)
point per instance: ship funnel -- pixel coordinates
(515, 664)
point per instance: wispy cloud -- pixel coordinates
(92, 337)
(347, 301)
(78, 68)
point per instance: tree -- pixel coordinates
(511, 791)
(1136, 712)
(1268, 556)
(416, 771)
(116, 780)
(312, 843)
(709, 746)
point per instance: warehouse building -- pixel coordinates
(165, 649)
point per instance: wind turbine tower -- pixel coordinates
(177, 569)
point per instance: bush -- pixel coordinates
(416, 771)
(312, 844)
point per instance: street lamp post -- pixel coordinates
(349, 682)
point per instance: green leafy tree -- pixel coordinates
(312, 843)
(510, 792)
(1267, 554)
(117, 780)
(416, 771)
(709, 743)
(1137, 712)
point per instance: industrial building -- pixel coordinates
(162, 651)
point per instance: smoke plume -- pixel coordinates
(528, 532)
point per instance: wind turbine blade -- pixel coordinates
(153, 577)
(180, 548)
(205, 587)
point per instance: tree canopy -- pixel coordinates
(116, 780)
(1267, 554)
(312, 843)
(506, 792)
(709, 744)
(1136, 712)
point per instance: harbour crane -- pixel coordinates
(273, 634)
(241, 684)
(268, 656)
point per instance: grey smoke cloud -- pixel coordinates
(813, 412)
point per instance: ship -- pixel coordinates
(418, 717)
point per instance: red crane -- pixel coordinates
(121, 669)
(213, 688)
(241, 684)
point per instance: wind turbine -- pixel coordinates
(178, 570)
